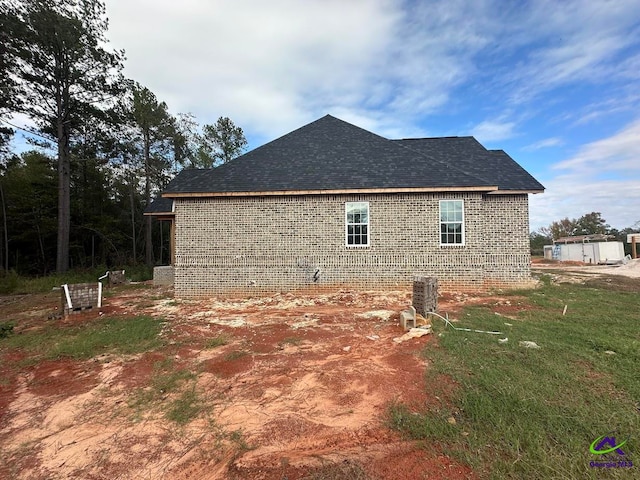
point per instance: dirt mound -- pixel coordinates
(630, 269)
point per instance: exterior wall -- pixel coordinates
(507, 259)
(242, 245)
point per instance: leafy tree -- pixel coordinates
(64, 75)
(219, 143)
(153, 135)
(559, 229)
(590, 224)
(184, 139)
(537, 241)
(29, 190)
(9, 100)
(94, 215)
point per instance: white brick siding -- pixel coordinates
(241, 245)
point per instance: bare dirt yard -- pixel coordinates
(280, 387)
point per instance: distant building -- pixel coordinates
(593, 249)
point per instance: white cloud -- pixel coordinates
(390, 66)
(492, 131)
(573, 42)
(265, 64)
(620, 152)
(573, 196)
(272, 66)
(601, 177)
(544, 143)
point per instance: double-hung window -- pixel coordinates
(451, 222)
(356, 224)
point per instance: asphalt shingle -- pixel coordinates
(159, 205)
(331, 154)
(467, 155)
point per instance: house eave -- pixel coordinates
(351, 191)
(160, 215)
(514, 192)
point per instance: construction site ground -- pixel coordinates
(287, 386)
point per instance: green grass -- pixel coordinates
(533, 413)
(238, 438)
(12, 283)
(109, 335)
(295, 341)
(172, 391)
(235, 355)
(6, 329)
(216, 342)
(345, 470)
(185, 407)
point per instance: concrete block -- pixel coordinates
(163, 275)
(81, 296)
(116, 277)
(408, 318)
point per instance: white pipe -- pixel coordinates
(66, 293)
(446, 320)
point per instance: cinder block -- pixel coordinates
(425, 294)
(408, 318)
(163, 275)
(81, 296)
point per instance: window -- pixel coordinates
(357, 224)
(451, 222)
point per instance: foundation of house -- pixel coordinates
(163, 275)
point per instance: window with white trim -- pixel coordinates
(451, 222)
(356, 224)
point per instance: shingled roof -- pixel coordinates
(468, 155)
(331, 155)
(159, 206)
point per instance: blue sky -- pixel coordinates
(553, 83)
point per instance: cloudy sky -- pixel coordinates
(554, 83)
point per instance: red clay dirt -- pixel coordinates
(300, 385)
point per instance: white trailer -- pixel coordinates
(594, 253)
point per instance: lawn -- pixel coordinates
(517, 412)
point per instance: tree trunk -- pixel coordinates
(64, 198)
(6, 234)
(147, 195)
(161, 244)
(133, 221)
(41, 244)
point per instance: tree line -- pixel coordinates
(588, 224)
(101, 145)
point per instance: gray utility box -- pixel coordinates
(425, 294)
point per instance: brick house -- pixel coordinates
(331, 205)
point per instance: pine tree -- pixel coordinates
(64, 76)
